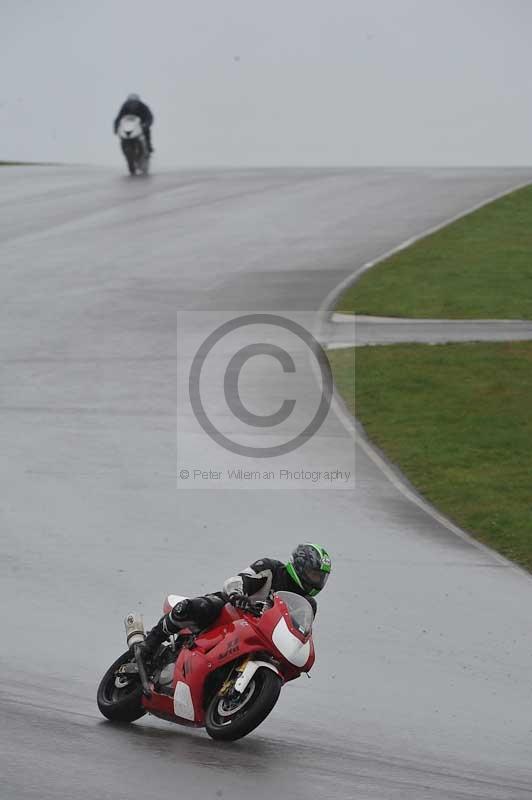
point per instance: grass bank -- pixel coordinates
(28, 164)
(480, 267)
(457, 421)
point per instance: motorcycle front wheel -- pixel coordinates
(231, 717)
(119, 697)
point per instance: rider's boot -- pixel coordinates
(169, 624)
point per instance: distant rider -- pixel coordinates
(306, 574)
(134, 105)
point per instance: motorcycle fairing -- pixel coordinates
(235, 640)
(211, 650)
(290, 646)
(291, 639)
(183, 705)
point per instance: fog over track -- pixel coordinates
(422, 687)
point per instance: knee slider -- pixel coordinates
(180, 613)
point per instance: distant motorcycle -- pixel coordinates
(226, 678)
(134, 145)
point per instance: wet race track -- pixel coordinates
(422, 687)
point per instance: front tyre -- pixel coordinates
(231, 717)
(119, 697)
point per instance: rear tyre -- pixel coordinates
(120, 703)
(128, 149)
(143, 158)
(229, 719)
(145, 164)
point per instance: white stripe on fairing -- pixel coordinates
(289, 645)
(183, 706)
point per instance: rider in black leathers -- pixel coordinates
(306, 573)
(134, 105)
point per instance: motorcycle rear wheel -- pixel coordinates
(144, 164)
(120, 704)
(130, 151)
(257, 701)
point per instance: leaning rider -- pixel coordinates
(306, 574)
(134, 105)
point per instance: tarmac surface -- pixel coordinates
(422, 687)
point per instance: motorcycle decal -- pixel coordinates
(233, 646)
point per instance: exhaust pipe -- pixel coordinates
(134, 625)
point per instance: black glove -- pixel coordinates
(244, 603)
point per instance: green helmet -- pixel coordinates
(309, 567)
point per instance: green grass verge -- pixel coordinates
(479, 267)
(27, 164)
(457, 421)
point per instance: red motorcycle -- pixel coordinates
(226, 678)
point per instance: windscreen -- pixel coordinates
(300, 610)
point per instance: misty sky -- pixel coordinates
(242, 82)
